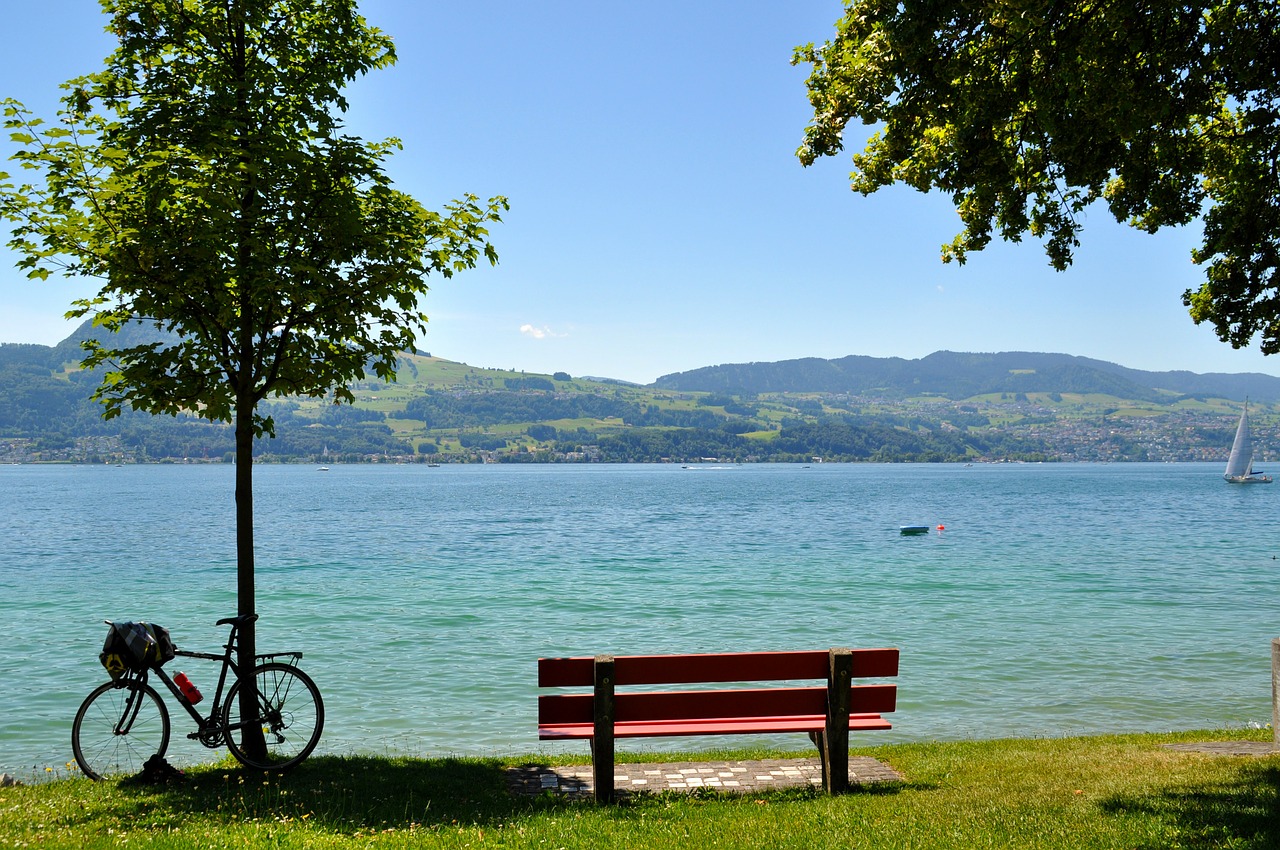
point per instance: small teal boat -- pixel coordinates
(914, 529)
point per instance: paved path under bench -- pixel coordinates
(747, 777)
(1228, 748)
(726, 776)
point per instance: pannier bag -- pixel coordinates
(132, 647)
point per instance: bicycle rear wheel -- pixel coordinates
(290, 716)
(119, 727)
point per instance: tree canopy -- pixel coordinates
(205, 178)
(1027, 112)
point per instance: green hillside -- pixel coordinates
(443, 411)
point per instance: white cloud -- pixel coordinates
(543, 332)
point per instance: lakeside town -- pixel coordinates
(1043, 433)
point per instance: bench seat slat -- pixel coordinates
(692, 705)
(711, 726)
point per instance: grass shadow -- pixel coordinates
(348, 794)
(344, 793)
(1243, 812)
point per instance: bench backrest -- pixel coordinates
(579, 671)
(714, 668)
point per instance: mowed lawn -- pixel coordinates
(1124, 791)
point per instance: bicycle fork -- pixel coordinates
(132, 703)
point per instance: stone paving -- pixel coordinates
(1228, 748)
(745, 777)
(726, 776)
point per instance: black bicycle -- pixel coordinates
(125, 722)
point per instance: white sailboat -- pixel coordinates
(1240, 464)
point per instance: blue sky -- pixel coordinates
(659, 219)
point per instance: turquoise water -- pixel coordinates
(1060, 599)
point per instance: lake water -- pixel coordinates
(1059, 599)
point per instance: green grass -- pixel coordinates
(1103, 792)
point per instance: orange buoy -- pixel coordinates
(942, 528)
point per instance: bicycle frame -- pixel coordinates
(211, 729)
(205, 724)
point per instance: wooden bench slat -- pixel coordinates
(681, 705)
(566, 672)
(578, 671)
(711, 726)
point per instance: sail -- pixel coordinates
(1241, 460)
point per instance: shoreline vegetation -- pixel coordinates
(439, 411)
(1112, 791)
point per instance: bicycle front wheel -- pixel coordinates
(119, 727)
(290, 717)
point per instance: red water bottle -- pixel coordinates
(190, 691)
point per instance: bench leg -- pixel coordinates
(835, 762)
(819, 741)
(834, 741)
(602, 768)
(602, 740)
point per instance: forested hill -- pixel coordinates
(955, 376)
(945, 407)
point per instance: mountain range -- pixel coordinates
(951, 375)
(956, 376)
(947, 406)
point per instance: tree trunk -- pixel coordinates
(253, 742)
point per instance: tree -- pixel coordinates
(204, 177)
(1028, 112)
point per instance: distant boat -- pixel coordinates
(1240, 464)
(913, 529)
(324, 469)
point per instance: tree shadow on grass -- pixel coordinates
(365, 794)
(343, 794)
(1243, 812)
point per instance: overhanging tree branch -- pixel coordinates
(1027, 114)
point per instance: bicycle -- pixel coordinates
(124, 722)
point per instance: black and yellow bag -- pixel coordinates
(133, 647)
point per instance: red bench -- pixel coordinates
(826, 712)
